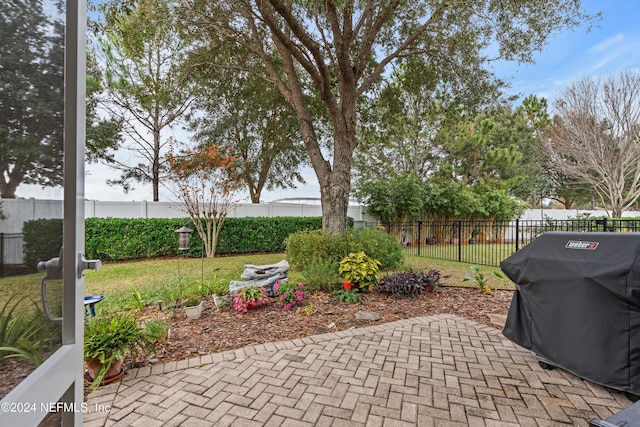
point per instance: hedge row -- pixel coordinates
(121, 239)
(42, 240)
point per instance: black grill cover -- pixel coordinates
(577, 304)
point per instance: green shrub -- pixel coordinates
(378, 245)
(321, 275)
(360, 269)
(260, 234)
(121, 238)
(42, 240)
(125, 238)
(303, 247)
(25, 332)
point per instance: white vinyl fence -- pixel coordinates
(17, 211)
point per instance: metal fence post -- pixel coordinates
(1, 254)
(517, 234)
(419, 235)
(459, 241)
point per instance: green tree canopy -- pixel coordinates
(147, 89)
(249, 116)
(344, 49)
(31, 97)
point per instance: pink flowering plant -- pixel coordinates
(249, 297)
(289, 293)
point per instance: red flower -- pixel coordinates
(347, 285)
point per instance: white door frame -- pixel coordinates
(60, 377)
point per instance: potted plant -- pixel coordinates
(220, 292)
(193, 306)
(474, 236)
(249, 297)
(107, 339)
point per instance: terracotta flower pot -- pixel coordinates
(93, 367)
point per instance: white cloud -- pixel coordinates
(607, 43)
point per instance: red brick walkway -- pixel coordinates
(430, 371)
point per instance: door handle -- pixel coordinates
(53, 268)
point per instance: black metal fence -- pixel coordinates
(487, 242)
(474, 242)
(11, 258)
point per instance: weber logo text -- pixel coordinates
(577, 244)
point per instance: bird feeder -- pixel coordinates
(184, 237)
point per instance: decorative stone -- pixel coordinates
(331, 325)
(261, 275)
(366, 315)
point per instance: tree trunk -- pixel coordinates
(335, 201)
(8, 187)
(155, 167)
(336, 185)
(8, 190)
(616, 211)
(254, 192)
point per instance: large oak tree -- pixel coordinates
(344, 48)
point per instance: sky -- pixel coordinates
(612, 45)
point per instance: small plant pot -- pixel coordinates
(221, 300)
(114, 373)
(193, 312)
(472, 241)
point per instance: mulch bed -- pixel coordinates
(223, 329)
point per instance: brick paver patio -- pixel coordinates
(430, 371)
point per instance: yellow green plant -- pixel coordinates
(360, 269)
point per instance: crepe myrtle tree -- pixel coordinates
(334, 53)
(205, 179)
(594, 138)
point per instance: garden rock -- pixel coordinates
(265, 276)
(366, 315)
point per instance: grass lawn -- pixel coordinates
(481, 254)
(165, 279)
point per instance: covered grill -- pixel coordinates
(577, 304)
